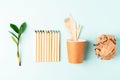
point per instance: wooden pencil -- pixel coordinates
(38, 54)
(50, 54)
(58, 46)
(53, 46)
(55, 57)
(46, 43)
(44, 57)
(36, 47)
(40, 57)
(43, 46)
(47, 46)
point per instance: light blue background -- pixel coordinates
(97, 17)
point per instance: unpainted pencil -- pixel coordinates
(50, 55)
(36, 46)
(40, 58)
(58, 46)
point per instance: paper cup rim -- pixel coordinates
(80, 40)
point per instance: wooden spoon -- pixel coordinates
(71, 25)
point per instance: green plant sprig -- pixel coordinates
(16, 35)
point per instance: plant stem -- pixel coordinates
(18, 54)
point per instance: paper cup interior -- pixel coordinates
(80, 40)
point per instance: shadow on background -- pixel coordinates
(88, 50)
(118, 46)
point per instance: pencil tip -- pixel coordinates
(58, 30)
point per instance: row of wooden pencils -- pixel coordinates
(47, 45)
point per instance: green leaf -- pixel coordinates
(22, 29)
(14, 40)
(14, 27)
(13, 34)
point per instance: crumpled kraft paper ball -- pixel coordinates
(106, 47)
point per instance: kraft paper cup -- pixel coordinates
(76, 51)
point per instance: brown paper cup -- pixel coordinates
(76, 51)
